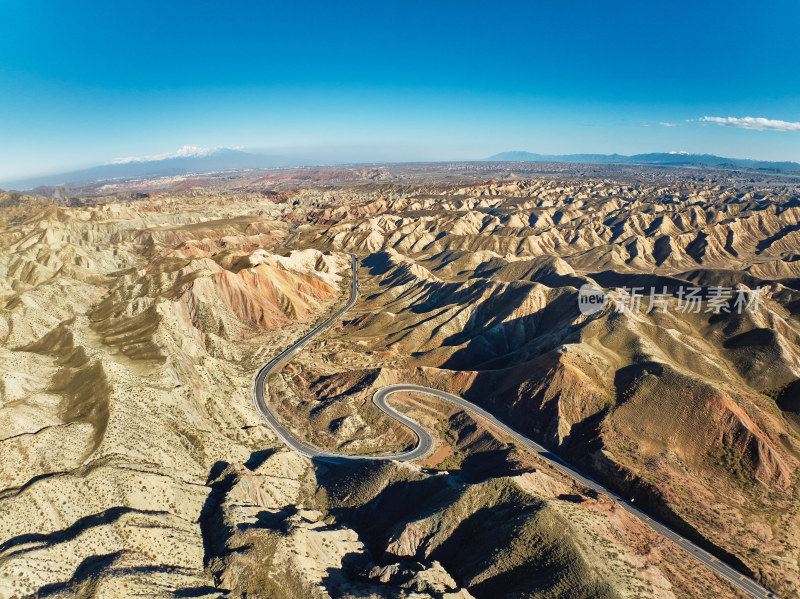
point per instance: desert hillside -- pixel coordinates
(133, 325)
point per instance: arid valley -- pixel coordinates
(134, 318)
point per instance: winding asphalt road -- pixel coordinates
(424, 439)
(425, 445)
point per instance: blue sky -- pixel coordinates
(83, 83)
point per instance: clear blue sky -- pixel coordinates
(82, 83)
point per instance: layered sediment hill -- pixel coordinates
(690, 411)
(132, 327)
(129, 337)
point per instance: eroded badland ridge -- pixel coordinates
(133, 323)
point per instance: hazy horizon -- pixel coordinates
(385, 83)
(321, 156)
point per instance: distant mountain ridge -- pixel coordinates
(657, 158)
(226, 159)
(219, 160)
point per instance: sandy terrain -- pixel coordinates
(132, 327)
